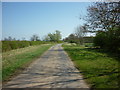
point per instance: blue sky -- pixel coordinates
(23, 19)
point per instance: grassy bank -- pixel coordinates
(16, 60)
(99, 69)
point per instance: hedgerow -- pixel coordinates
(10, 45)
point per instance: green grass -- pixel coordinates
(88, 44)
(99, 69)
(16, 60)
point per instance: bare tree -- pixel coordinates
(23, 39)
(71, 38)
(104, 15)
(9, 39)
(80, 32)
(35, 38)
(46, 38)
(104, 18)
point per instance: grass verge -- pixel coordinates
(99, 69)
(16, 60)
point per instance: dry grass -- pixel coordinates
(15, 59)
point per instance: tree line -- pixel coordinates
(11, 43)
(52, 37)
(103, 19)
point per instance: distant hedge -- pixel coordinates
(10, 45)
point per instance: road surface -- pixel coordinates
(53, 69)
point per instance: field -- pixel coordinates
(99, 69)
(16, 60)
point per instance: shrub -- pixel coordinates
(108, 40)
(10, 45)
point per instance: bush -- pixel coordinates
(108, 40)
(10, 45)
(99, 40)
